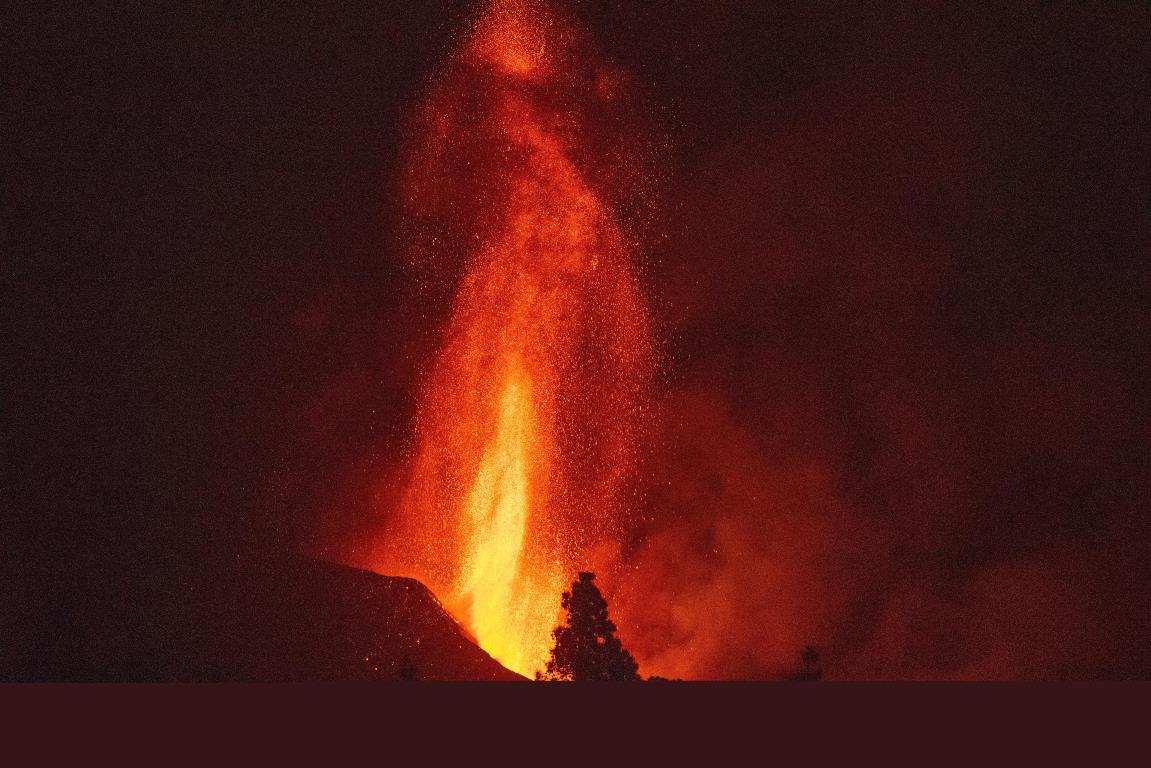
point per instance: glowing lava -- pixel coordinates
(528, 415)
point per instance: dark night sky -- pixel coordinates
(898, 261)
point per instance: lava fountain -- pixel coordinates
(528, 415)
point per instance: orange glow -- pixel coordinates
(511, 39)
(498, 504)
(528, 414)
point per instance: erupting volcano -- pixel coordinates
(529, 413)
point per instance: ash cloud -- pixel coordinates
(901, 422)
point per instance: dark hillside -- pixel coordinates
(286, 620)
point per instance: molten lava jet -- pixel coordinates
(528, 415)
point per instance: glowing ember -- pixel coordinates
(528, 414)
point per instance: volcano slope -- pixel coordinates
(273, 619)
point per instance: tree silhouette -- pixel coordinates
(408, 669)
(586, 647)
(809, 668)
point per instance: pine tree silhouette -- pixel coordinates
(586, 647)
(408, 669)
(810, 667)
